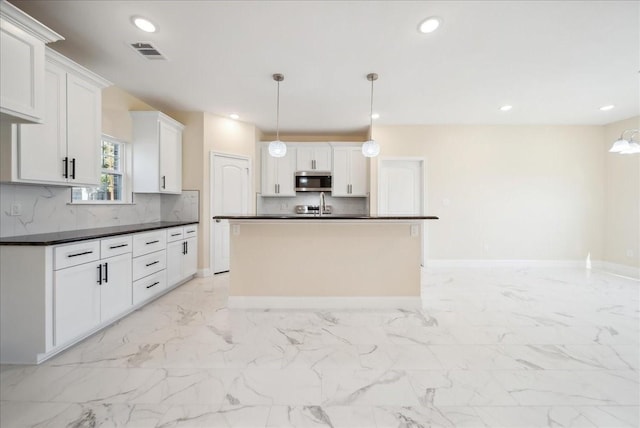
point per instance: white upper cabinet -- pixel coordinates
(22, 66)
(350, 172)
(65, 148)
(313, 157)
(157, 153)
(278, 177)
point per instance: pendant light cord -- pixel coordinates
(278, 113)
(371, 113)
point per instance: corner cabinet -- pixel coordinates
(350, 172)
(313, 157)
(65, 148)
(278, 173)
(22, 43)
(157, 153)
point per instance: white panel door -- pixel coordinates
(84, 127)
(43, 147)
(231, 178)
(116, 290)
(76, 301)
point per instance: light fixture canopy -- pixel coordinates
(371, 148)
(626, 146)
(429, 25)
(144, 24)
(277, 148)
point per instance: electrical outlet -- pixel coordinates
(630, 253)
(235, 229)
(414, 230)
(486, 247)
(16, 209)
(284, 206)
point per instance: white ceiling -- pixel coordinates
(556, 62)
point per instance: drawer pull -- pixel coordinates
(175, 234)
(79, 254)
(117, 246)
(153, 242)
(155, 283)
(151, 264)
(190, 231)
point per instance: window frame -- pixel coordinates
(124, 172)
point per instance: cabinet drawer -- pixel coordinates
(148, 287)
(149, 242)
(149, 263)
(175, 234)
(191, 231)
(115, 246)
(75, 254)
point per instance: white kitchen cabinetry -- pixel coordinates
(157, 153)
(182, 253)
(22, 43)
(350, 172)
(313, 157)
(278, 173)
(65, 148)
(89, 290)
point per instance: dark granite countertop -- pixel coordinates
(86, 234)
(324, 217)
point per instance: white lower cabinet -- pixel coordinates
(70, 291)
(76, 301)
(182, 256)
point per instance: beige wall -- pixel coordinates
(506, 192)
(206, 133)
(622, 213)
(116, 120)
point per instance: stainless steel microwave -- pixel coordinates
(313, 181)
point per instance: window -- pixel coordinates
(114, 177)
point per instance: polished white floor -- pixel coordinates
(494, 347)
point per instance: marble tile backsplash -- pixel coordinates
(270, 205)
(47, 209)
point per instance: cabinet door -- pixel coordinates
(322, 157)
(175, 260)
(269, 173)
(115, 291)
(84, 126)
(21, 74)
(190, 266)
(170, 159)
(340, 179)
(76, 301)
(43, 147)
(359, 173)
(304, 158)
(286, 173)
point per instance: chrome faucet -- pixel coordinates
(323, 205)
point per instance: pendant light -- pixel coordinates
(624, 146)
(371, 148)
(277, 148)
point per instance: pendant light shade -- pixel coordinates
(626, 146)
(371, 148)
(277, 148)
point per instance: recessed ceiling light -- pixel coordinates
(144, 24)
(607, 108)
(234, 116)
(375, 116)
(429, 25)
(506, 108)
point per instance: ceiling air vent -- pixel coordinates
(147, 50)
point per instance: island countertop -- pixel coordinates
(325, 217)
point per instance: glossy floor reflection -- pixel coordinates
(492, 348)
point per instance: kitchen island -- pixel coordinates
(325, 262)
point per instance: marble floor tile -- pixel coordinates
(492, 347)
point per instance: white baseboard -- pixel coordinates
(292, 302)
(618, 269)
(443, 263)
(203, 273)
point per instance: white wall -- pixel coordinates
(622, 213)
(507, 192)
